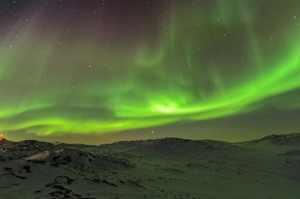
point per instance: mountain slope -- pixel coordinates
(165, 168)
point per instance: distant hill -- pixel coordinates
(293, 138)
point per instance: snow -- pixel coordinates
(165, 168)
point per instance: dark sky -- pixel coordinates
(98, 71)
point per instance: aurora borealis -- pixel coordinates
(142, 68)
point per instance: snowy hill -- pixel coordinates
(165, 168)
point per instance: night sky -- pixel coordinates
(99, 71)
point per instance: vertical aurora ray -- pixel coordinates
(183, 61)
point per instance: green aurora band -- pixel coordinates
(200, 63)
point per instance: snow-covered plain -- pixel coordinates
(268, 168)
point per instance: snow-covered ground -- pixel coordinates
(268, 168)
